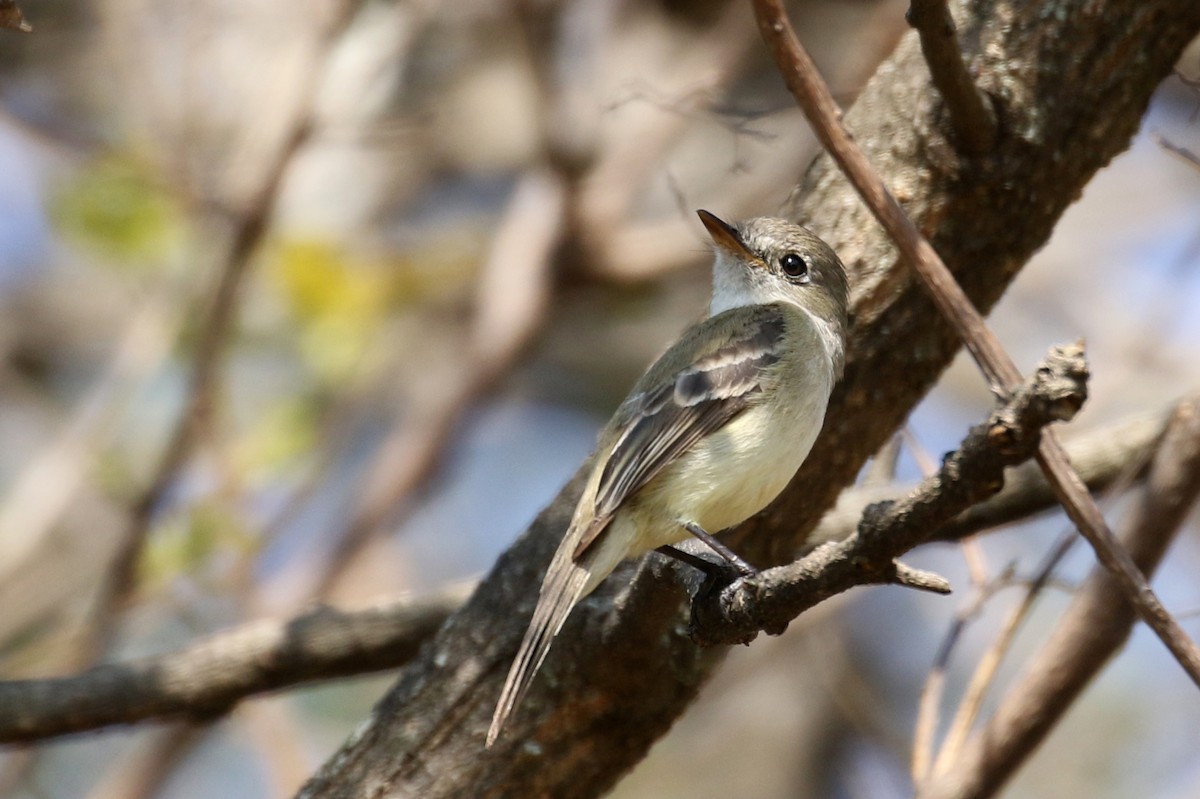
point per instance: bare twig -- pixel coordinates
(1100, 455)
(207, 678)
(970, 109)
(771, 599)
(1101, 458)
(985, 672)
(935, 683)
(988, 666)
(1094, 627)
(1183, 153)
(810, 91)
(881, 471)
(930, 702)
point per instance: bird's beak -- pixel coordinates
(726, 237)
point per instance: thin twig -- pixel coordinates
(930, 703)
(971, 551)
(970, 109)
(881, 471)
(935, 683)
(801, 76)
(1183, 153)
(1093, 629)
(988, 665)
(1101, 455)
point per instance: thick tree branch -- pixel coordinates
(1093, 629)
(815, 99)
(620, 675)
(209, 677)
(770, 600)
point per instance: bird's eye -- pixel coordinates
(793, 265)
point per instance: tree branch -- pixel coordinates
(815, 99)
(209, 677)
(1093, 629)
(770, 600)
(970, 110)
(1101, 457)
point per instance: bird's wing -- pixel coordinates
(708, 380)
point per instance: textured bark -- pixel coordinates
(1071, 81)
(205, 680)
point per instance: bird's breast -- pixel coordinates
(737, 471)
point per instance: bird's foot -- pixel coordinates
(717, 574)
(744, 569)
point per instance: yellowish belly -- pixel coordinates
(734, 473)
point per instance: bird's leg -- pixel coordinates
(716, 546)
(695, 561)
(717, 574)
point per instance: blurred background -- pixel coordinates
(393, 264)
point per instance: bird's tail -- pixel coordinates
(567, 581)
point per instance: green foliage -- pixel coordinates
(186, 543)
(340, 299)
(117, 207)
(337, 301)
(280, 437)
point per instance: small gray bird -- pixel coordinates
(715, 428)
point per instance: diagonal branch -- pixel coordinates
(969, 108)
(987, 668)
(1092, 630)
(815, 99)
(770, 600)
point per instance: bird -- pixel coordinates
(715, 428)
